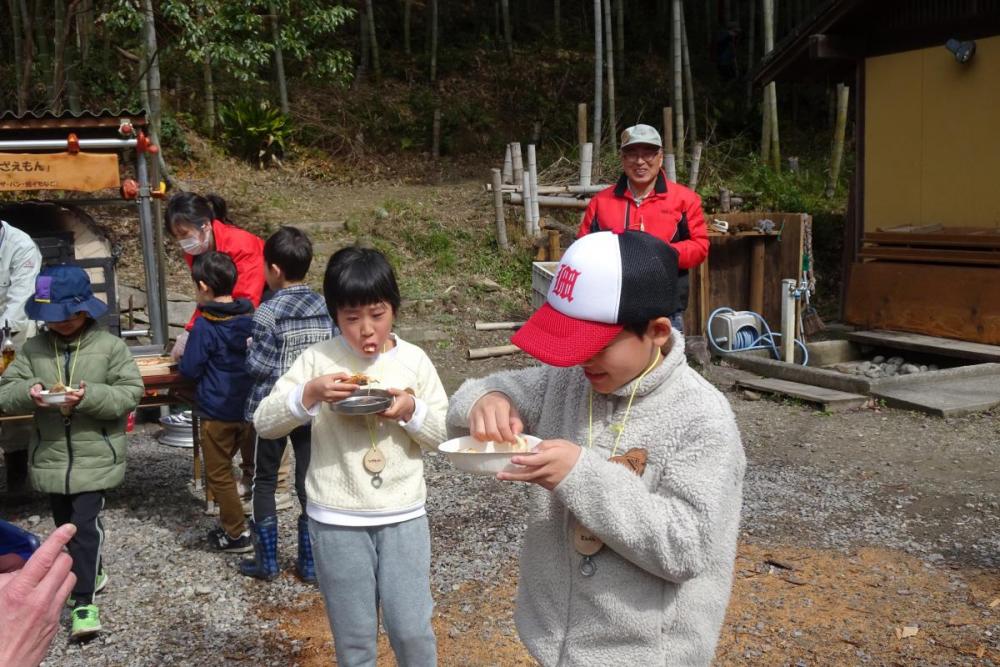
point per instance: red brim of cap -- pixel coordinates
(559, 340)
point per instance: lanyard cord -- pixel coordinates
(72, 371)
(628, 408)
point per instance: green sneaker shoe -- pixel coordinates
(102, 582)
(86, 622)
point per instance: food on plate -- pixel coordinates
(359, 379)
(519, 445)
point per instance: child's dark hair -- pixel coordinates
(216, 270)
(291, 250)
(357, 276)
(194, 210)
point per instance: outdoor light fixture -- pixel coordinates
(963, 51)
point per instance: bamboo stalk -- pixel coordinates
(690, 116)
(668, 130)
(670, 166)
(620, 40)
(610, 64)
(548, 201)
(843, 95)
(508, 166)
(498, 208)
(586, 163)
(695, 164)
(678, 83)
(498, 326)
(533, 179)
(581, 123)
(529, 223)
(554, 250)
(515, 148)
(725, 203)
(555, 189)
(598, 79)
(487, 352)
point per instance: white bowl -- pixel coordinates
(484, 460)
(53, 398)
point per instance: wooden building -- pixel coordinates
(922, 243)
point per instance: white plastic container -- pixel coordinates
(485, 460)
(542, 274)
(53, 398)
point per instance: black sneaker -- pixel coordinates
(235, 545)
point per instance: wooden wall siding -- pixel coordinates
(946, 301)
(729, 261)
(914, 15)
(932, 141)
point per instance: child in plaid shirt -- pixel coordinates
(293, 319)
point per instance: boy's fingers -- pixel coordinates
(45, 558)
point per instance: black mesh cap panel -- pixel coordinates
(649, 278)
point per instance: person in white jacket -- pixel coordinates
(20, 262)
(365, 484)
(628, 554)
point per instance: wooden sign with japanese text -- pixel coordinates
(83, 172)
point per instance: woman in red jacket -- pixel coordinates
(200, 224)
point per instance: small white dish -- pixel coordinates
(53, 398)
(482, 458)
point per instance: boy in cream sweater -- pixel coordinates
(365, 484)
(629, 550)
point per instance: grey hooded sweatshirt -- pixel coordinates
(662, 581)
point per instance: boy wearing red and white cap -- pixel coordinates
(628, 554)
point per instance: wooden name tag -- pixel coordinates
(634, 459)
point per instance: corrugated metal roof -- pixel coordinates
(48, 114)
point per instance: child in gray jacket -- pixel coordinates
(629, 550)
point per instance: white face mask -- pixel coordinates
(197, 244)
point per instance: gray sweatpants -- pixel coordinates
(360, 568)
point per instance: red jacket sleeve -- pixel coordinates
(693, 251)
(588, 218)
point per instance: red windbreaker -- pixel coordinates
(671, 212)
(247, 252)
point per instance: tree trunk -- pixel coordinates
(58, 51)
(153, 77)
(678, 106)
(692, 118)
(362, 70)
(609, 51)
(434, 39)
(598, 81)
(772, 89)
(751, 47)
(206, 68)
(279, 61)
(85, 28)
(508, 38)
(407, 13)
(620, 41)
(27, 53)
(843, 95)
(376, 66)
(557, 22)
(15, 29)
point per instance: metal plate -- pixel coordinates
(363, 402)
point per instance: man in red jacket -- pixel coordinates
(644, 199)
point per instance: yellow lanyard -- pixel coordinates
(72, 370)
(628, 409)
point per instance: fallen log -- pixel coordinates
(487, 352)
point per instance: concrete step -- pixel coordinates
(947, 398)
(829, 400)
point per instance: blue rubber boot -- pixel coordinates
(305, 565)
(265, 550)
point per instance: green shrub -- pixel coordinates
(255, 131)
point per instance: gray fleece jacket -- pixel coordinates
(662, 580)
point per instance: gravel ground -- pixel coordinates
(886, 478)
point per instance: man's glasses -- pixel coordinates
(640, 155)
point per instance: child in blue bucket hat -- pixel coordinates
(81, 383)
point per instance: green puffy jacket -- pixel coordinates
(84, 451)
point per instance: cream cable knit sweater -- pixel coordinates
(662, 582)
(337, 479)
